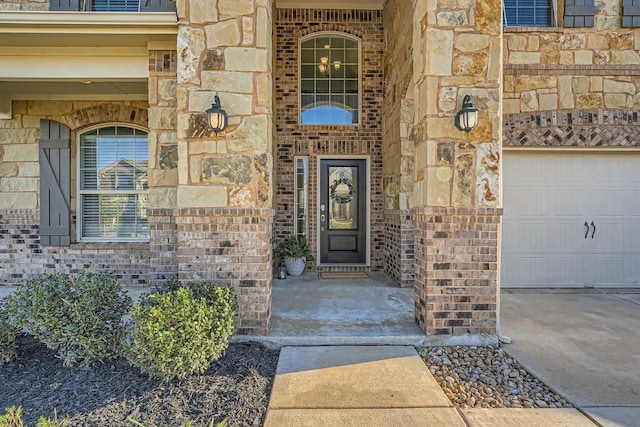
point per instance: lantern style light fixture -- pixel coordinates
(467, 117)
(217, 117)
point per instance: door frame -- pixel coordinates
(316, 216)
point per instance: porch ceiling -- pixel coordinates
(331, 4)
(81, 56)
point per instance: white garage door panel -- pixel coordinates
(548, 196)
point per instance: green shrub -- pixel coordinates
(8, 333)
(78, 316)
(180, 331)
(13, 418)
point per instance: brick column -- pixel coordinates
(456, 264)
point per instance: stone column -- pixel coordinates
(456, 51)
(224, 196)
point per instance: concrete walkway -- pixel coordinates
(379, 386)
(585, 345)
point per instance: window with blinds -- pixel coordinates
(329, 79)
(114, 5)
(528, 13)
(113, 185)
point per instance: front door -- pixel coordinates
(343, 211)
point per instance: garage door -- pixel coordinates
(571, 220)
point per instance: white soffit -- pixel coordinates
(27, 28)
(331, 4)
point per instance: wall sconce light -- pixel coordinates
(217, 117)
(467, 117)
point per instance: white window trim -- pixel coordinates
(80, 192)
(330, 33)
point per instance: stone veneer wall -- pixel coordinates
(24, 5)
(163, 166)
(309, 140)
(456, 264)
(21, 255)
(398, 145)
(224, 193)
(573, 87)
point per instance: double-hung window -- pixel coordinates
(528, 13)
(330, 79)
(113, 185)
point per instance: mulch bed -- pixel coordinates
(236, 387)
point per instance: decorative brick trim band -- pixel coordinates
(104, 113)
(533, 30)
(456, 252)
(329, 15)
(572, 70)
(572, 128)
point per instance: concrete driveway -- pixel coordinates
(585, 345)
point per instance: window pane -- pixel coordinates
(334, 73)
(113, 166)
(115, 216)
(535, 13)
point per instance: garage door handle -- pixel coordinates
(594, 229)
(586, 224)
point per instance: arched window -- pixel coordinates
(113, 184)
(329, 79)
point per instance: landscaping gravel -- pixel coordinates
(236, 387)
(482, 377)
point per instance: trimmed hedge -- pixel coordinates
(8, 333)
(180, 330)
(80, 316)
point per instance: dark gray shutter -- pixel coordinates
(55, 186)
(579, 13)
(73, 5)
(157, 6)
(631, 13)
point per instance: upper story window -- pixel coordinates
(329, 79)
(113, 5)
(113, 185)
(528, 13)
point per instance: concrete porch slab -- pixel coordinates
(405, 417)
(514, 417)
(354, 377)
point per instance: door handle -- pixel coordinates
(586, 224)
(594, 229)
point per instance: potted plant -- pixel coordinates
(295, 251)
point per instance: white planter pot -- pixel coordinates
(295, 266)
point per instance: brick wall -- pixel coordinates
(456, 269)
(295, 140)
(22, 256)
(399, 247)
(230, 246)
